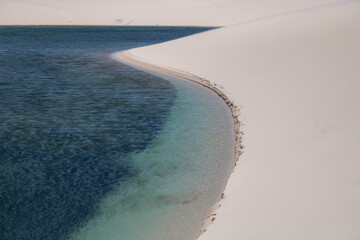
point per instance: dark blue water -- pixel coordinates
(69, 119)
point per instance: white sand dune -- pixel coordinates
(144, 12)
(294, 69)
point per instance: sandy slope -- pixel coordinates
(296, 77)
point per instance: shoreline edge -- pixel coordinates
(133, 61)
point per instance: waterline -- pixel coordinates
(180, 176)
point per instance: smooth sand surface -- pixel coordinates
(144, 12)
(296, 78)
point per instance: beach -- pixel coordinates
(293, 72)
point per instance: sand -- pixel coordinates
(294, 72)
(144, 12)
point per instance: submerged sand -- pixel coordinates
(131, 60)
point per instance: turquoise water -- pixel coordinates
(181, 175)
(93, 149)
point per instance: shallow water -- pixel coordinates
(179, 176)
(93, 149)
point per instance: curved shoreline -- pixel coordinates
(131, 60)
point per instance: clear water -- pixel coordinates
(93, 149)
